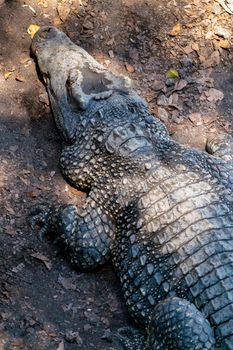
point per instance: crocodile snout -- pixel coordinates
(44, 36)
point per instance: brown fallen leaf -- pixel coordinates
(111, 53)
(195, 47)
(3, 180)
(73, 337)
(175, 30)
(88, 25)
(224, 44)
(44, 259)
(18, 268)
(180, 84)
(31, 194)
(209, 119)
(173, 99)
(66, 283)
(129, 67)
(43, 3)
(162, 114)
(214, 95)
(188, 49)
(195, 118)
(63, 11)
(8, 74)
(162, 100)
(158, 85)
(222, 32)
(151, 96)
(10, 210)
(213, 61)
(57, 21)
(32, 29)
(9, 230)
(25, 60)
(20, 78)
(61, 346)
(43, 98)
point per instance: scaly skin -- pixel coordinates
(161, 212)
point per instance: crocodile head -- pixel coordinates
(73, 78)
(51, 48)
(45, 45)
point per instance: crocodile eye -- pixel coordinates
(47, 33)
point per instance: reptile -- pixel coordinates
(159, 211)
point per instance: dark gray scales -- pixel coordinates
(160, 212)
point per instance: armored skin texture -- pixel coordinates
(162, 213)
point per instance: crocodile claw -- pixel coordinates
(40, 216)
(130, 338)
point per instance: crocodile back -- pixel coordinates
(176, 239)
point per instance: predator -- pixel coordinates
(161, 212)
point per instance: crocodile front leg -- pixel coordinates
(86, 238)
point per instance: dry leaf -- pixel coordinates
(224, 44)
(151, 96)
(44, 259)
(66, 283)
(18, 268)
(129, 67)
(57, 21)
(162, 114)
(175, 30)
(8, 74)
(208, 119)
(213, 61)
(158, 85)
(20, 78)
(10, 210)
(9, 230)
(32, 29)
(25, 60)
(188, 49)
(173, 99)
(63, 11)
(181, 84)
(43, 3)
(31, 194)
(111, 53)
(222, 32)
(195, 118)
(214, 95)
(61, 346)
(162, 100)
(88, 25)
(44, 98)
(195, 47)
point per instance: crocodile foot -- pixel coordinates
(131, 339)
(41, 216)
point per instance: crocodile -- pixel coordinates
(159, 211)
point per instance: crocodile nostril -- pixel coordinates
(47, 33)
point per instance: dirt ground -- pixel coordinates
(179, 54)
